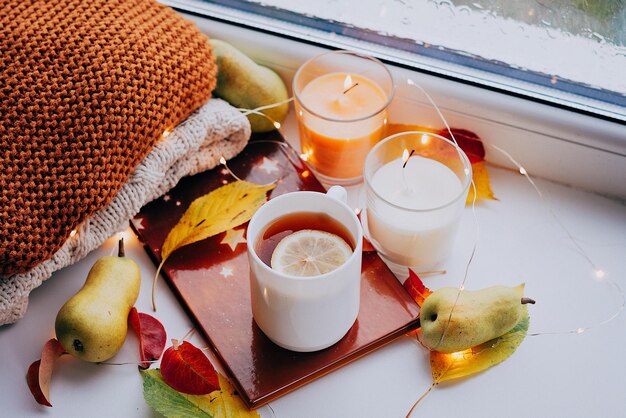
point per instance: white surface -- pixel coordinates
(562, 375)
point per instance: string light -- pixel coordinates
(72, 233)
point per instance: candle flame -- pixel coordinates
(347, 83)
(405, 156)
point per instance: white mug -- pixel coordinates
(305, 313)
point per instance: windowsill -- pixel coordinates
(555, 375)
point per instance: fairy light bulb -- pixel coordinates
(522, 171)
(425, 139)
(72, 233)
(277, 125)
(599, 274)
(222, 160)
(306, 155)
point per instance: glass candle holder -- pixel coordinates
(416, 186)
(341, 101)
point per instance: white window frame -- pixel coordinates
(568, 146)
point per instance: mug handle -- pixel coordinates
(338, 193)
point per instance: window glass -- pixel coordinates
(573, 46)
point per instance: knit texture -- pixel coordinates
(86, 90)
(215, 130)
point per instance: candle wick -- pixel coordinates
(406, 184)
(350, 88)
(408, 158)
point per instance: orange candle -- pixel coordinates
(341, 116)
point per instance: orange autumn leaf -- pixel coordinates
(39, 373)
(473, 147)
(414, 285)
(480, 175)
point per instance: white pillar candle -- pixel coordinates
(413, 220)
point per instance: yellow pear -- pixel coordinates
(92, 324)
(245, 84)
(478, 316)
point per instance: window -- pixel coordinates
(571, 53)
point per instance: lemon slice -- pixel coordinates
(310, 253)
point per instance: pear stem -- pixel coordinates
(528, 300)
(120, 251)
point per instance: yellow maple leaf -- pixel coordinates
(223, 403)
(224, 208)
(476, 359)
(480, 175)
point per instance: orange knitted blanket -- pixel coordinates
(86, 90)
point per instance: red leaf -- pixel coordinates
(185, 368)
(416, 288)
(40, 372)
(468, 141)
(151, 336)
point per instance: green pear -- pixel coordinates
(478, 316)
(92, 324)
(248, 85)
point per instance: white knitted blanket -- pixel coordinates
(215, 130)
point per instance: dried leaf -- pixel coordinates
(414, 285)
(220, 403)
(39, 373)
(468, 141)
(151, 335)
(185, 368)
(481, 181)
(474, 360)
(224, 208)
(162, 398)
(224, 403)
